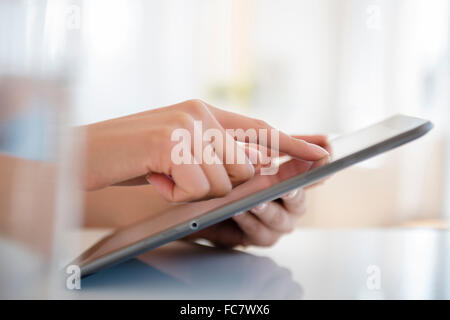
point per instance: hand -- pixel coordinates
(135, 149)
(267, 222)
(261, 226)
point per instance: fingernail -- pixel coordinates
(254, 156)
(239, 213)
(267, 162)
(290, 195)
(318, 149)
(259, 208)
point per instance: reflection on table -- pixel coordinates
(182, 270)
(408, 263)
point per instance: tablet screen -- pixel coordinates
(341, 147)
(187, 212)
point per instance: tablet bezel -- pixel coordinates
(269, 194)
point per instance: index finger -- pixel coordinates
(296, 148)
(318, 139)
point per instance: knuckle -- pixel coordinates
(255, 229)
(302, 210)
(297, 201)
(201, 191)
(196, 106)
(261, 123)
(244, 172)
(165, 134)
(269, 241)
(182, 119)
(301, 207)
(278, 218)
(223, 190)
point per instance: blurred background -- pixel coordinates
(322, 66)
(308, 66)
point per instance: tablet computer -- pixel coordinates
(182, 220)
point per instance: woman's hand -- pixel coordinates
(135, 149)
(267, 222)
(261, 226)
